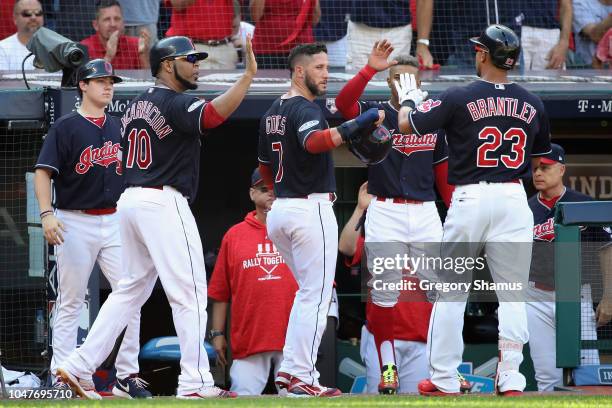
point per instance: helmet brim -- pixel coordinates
(476, 40)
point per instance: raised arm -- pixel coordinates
(424, 11)
(226, 103)
(347, 243)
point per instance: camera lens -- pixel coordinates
(75, 56)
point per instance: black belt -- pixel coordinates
(214, 43)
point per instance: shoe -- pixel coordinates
(131, 387)
(59, 384)
(82, 387)
(388, 380)
(510, 393)
(299, 389)
(208, 392)
(464, 385)
(283, 380)
(428, 389)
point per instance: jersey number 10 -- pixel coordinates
(139, 150)
(494, 140)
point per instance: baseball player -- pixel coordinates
(403, 209)
(80, 153)
(548, 180)
(295, 146)
(251, 274)
(161, 130)
(492, 128)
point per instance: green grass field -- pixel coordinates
(531, 400)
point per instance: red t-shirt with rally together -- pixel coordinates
(251, 274)
(412, 310)
(288, 21)
(203, 20)
(127, 51)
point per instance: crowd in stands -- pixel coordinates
(555, 34)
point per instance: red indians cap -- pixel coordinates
(256, 177)
(556, 155)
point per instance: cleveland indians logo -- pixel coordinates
(267, 259)
(102, 156)
(428, 105)
(545, 231)
(408, 144)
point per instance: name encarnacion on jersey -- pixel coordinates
(150, 113)
(500, 106)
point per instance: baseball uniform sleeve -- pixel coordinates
(219, 287)
(49, 157)
(433, 114)
(308, 119)
(262, 151)
(541, 144)
(186, 113)
(440, 152)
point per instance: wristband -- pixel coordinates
(408, 103)
(347, 129)
(215, 333)
(45, 213)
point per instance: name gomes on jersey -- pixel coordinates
(102, 156)
(150, 113)
(500, 106)
(545, 231)
(408, 144)
(267, 259)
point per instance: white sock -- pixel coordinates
(386, 353)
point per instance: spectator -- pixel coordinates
(604, 51)
(592, 19)
(211, 24)
(28, 17)
(109, 42)
(375, 21)
(251, 274)
(331, 30)
(544, 38)
(141, 15)
(280, 25)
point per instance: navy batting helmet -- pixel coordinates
(172, 47)
(97, 68)
(373, 146)
(501, 43)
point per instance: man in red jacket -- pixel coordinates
(251, 274)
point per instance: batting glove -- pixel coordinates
(351, 129)
(407, 91)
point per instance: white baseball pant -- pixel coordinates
(543, 334)
(305, 233)
(249, 375)
(396, 229)
(496, 216)
(88, 239)
(410, 359)
(160, 238)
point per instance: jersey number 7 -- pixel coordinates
(494, 140)
(278, 147)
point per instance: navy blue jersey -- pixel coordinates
(283, 132)
(381, 13)
(542, 259)
(160, 143)
(407, 172)
(492, 130)
(533, 13)
(85, 162)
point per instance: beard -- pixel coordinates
(183, 81)
(312, 87)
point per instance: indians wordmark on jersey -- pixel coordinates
(102, 156)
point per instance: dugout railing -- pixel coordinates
(574, 265)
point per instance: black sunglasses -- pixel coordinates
(28, 14)
(191, 58)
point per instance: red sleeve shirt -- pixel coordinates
(278, 23)
(203, 20)
(412, 310)
(251, 274)
(127, 51)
